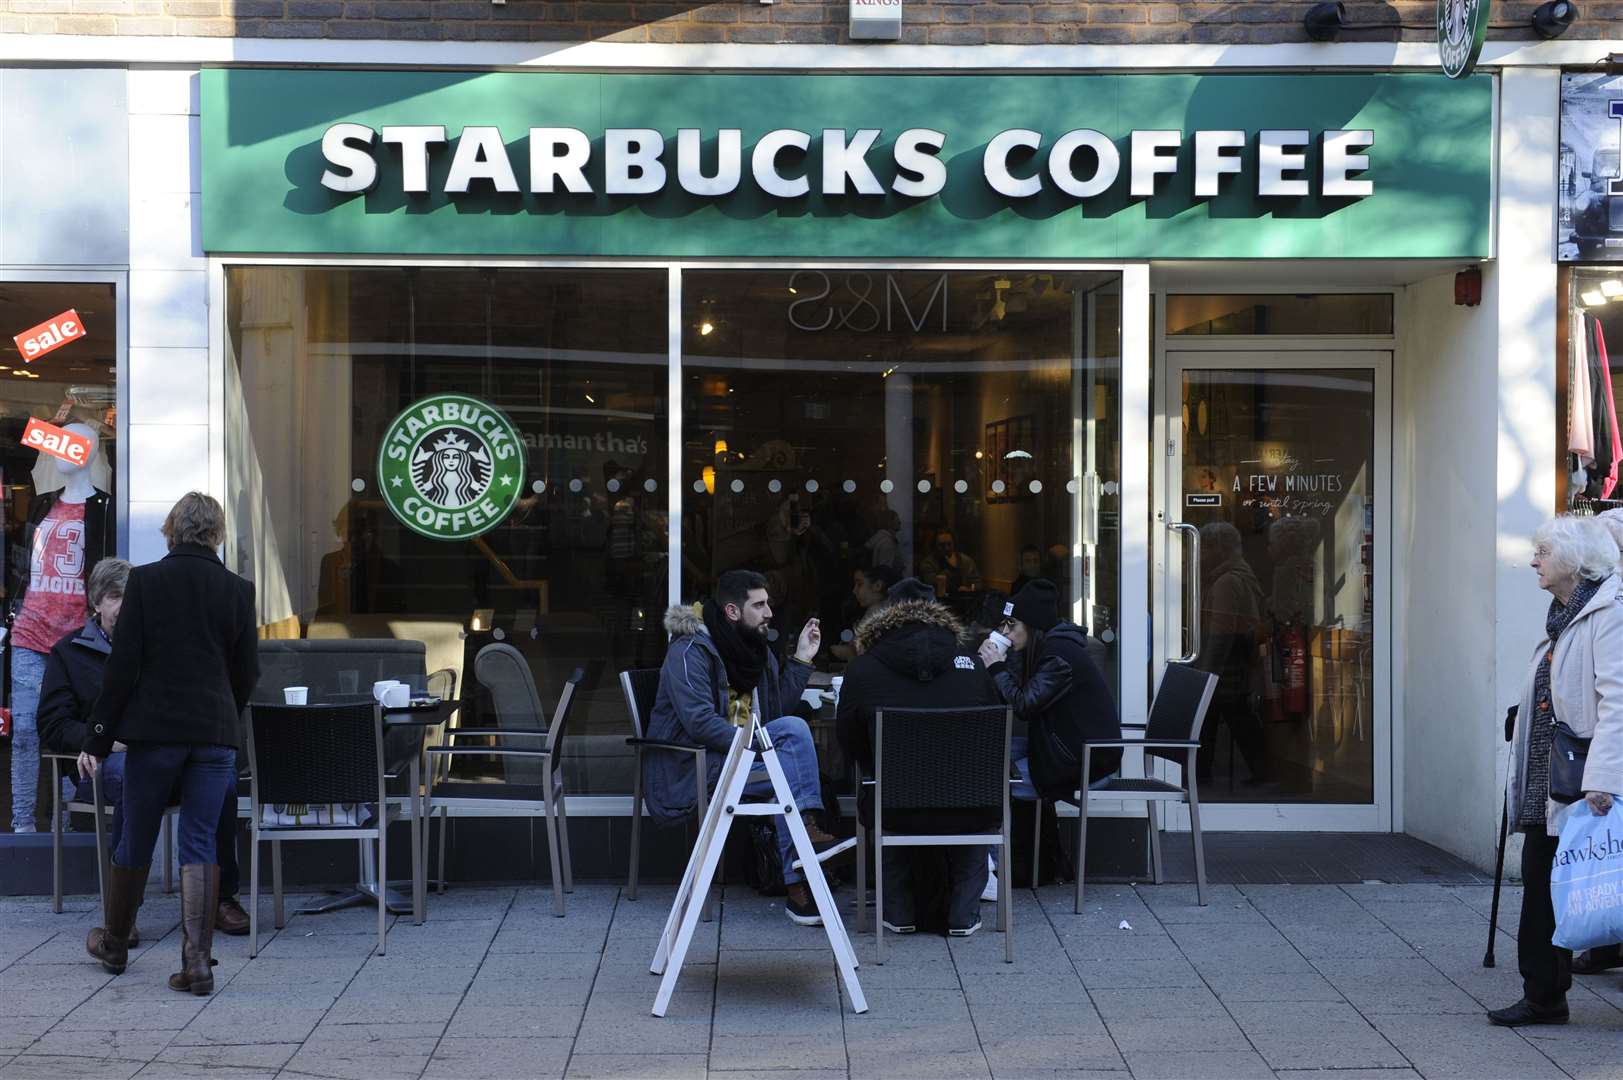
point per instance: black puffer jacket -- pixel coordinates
(72, 683)
(1065, 701)
(912, 656)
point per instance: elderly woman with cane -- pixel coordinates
(183, 663)
(1575, 678)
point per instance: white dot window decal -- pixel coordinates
(961, 486)
(575, 485)
(613, 486)
(499, 634)
(811, 485)
(772, 635)
(1070, 486)
(846, 635)
(849, 486)
(698, 487)
(774, 486)
(886, 486)
(924, 487)
(737, 486)
(651, 485)
(997, 487)
(1036, 487)
(357, 485)
(1107, 636)
(539, 486)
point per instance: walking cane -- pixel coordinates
(1498, 880)
(1499, 862)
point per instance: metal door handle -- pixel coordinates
(1192, 584)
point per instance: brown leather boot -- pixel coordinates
(126, 888)
(229, 918)
(815, 832)
(199, 899)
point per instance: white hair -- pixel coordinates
(1612, 522)
(1578, 548)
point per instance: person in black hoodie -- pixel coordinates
(911, 655)
(1057, 689)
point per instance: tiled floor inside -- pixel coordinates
(1339, 981)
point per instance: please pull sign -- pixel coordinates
(49, 335)
(60, 443)
(875, 20)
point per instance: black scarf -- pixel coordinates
(1541, 733)
(742, 653)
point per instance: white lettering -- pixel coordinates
(1212, 162)
(1150, 159)
(764, 163)
(480, 155)
(631, 161)
(1062, 157)
(1340, 163)
(559, 154)
(345, 146)
(844, 162)
(729, 162)
(995, 163)
(1279, 152)
(915, 152)
(414, 141)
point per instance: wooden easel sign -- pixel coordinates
(750, 746)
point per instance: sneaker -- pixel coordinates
(905, 928)
(963, 931)
(989, 894)
(797, 901)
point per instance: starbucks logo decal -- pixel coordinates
(451, 467)
(1462, 27)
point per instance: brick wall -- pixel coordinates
(935, 22)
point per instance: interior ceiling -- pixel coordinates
(1296, 275)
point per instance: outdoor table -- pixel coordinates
(422, 716)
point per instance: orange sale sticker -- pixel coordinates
(50, 335)
(58, 442)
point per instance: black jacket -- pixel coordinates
(185, 657)
(72, 683)
(101, 540)
(911, 658)
(1064, 702)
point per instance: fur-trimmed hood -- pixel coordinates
(684, 620)
(914, 638)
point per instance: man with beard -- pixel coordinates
(718, 675)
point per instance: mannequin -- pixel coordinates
(68, 532)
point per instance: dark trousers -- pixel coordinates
(1546, 969)
(201, 775)
(966, 877)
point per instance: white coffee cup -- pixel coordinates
(381, 687)
(397, 696)
(296, 695)
(997, 638)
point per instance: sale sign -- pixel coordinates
(58, 442)
(52, 334)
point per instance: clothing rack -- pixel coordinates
(1583, 506)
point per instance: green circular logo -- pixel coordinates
(1462, 27)
(451, 467)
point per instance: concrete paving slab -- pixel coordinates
(1448, 1045)
(636, 1067)
(498, 1058)
(1198, 1065)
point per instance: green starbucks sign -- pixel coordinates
(1462, 27)
(451, 467)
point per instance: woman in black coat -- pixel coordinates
(1057, 689)
(182, 667)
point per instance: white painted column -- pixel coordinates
(1526, 296)
(168, 326)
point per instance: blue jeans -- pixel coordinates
(27, 672)
(797, 754)
(200, 774)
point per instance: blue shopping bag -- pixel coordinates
(1586, 882)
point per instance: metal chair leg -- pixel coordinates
(168, 852)
(253, 888)
(276, 884)
(1036, 844)
(636, 825)
(445, 822)
(1194, 831)
(104, 854)
(56, 836)
(563, 841)
(552, 853)
(1153, 815)
(1005, 901)
(879, 898)
(1081, 849)
(862, 877)
(383, 876)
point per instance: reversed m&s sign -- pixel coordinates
(49, 335)
(60, 443)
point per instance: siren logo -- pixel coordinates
(451, 467)
(1462, 26)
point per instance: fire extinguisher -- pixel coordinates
(1293, 661)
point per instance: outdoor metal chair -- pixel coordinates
(935, 761)
(533, 754)
(640, 687)
(1172, 734)
(101, 812)
(314, 755)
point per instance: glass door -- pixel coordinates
(1277, 501)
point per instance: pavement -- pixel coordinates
(1338, 981)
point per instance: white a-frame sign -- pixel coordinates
(751, 747)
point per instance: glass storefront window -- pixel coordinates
(1282, 314)
(1590, 441)
(57, 409)
(324, 360)
(960, 426)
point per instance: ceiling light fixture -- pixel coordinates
(706, 328)
(1592, 298)
(1612, 287)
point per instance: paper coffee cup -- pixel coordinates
(296, 695)
(999, 640)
